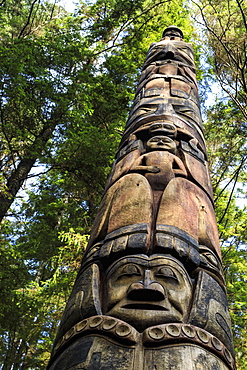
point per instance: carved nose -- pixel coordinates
(169, 51)
(165, 108)
(147, 290)
(161, 142)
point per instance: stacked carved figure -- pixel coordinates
(150, 293)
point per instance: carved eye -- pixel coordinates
(155, 140)
(166, 272)
(129, 270)
(186, 50)
(186, 112)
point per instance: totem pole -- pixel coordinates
(150, 293)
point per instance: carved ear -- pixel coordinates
(132, 137)
(84, 300)
(194, 143)
(210, 310)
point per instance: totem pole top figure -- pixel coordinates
(167, 90)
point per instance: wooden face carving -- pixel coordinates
(161, 143)
(180, 111)
(172, 50)
(146, 291)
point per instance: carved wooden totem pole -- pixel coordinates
(150, 293)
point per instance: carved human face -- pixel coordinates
(146, 291)
(176, 50)
(161, 143)
(179, 111)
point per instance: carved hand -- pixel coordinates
(153, 169)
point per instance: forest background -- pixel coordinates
(66, 85)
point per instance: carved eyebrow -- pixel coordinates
(158, 138)
(147, 107)
(181, 45)
(155, 139)
(184, 110)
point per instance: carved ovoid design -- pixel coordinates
(150, 293)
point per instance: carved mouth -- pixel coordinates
(145, 306)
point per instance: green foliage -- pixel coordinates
(37, 272)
